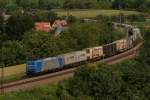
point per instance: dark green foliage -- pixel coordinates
(47, 16)
(86, 35)
(139, 18)
(42, 44)
(100, 83)
(84, 4)
(11, 7)
(145, 51)
(135, 4)
(71, 19)
(52, 16)
(43, 4)
(40, 16)
(17, 25)
(2, 28)
(125, 81)
(129, 18)
(12, 53)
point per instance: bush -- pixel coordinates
(12, 53)
(52, 16)
(133, 18)
(17, 25)
(71, 19)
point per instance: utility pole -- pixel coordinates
(2, 78)
(120, 13)
(68, 13)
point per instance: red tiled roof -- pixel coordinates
(43, 26)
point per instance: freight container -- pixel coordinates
(121, 45)
(74, 57)
(94, 52)
(130, 42)
(50, 64)
(81, 56)
(69, 58)
(137, 34)
(110, 49)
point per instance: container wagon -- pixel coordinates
(95, 52)
(110, 49)
(121, 45)
(74, 57)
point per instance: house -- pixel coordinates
(43, 26)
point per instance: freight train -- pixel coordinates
(71, 59)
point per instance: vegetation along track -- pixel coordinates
(54, 78)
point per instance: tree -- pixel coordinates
(18, 2)
(17, 25)
(53, 5)
(43, 4)
(1, 23)
(52, 16)
(42, 44)
(3, 3)
(84, 4)
(2, 30)
(101, 83)
(12, 53)
(11, 7)
(145, 51)
(71, 19)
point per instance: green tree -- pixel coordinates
(100, 83)
(42, 44)
(43, 4)
(12, 53)
(84, 4)
(18, 2)
(52, 16)
(71, 19)
(17, 25)
(11, 7)
(145, 51)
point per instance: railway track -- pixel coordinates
(54, 78)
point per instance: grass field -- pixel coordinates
(14, 70)
(94, 13)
